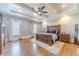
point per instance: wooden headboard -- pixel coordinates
(54, 27)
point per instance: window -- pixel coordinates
(15, 28)
(35, 28)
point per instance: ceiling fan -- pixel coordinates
(40, 10)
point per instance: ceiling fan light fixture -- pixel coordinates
(39, 13)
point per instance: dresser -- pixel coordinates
(65, 37)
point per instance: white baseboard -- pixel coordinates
(26, 37)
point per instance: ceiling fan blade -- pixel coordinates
(39, 9)
(44, 12)
(35, 10)
(44, 15)
(42, 7)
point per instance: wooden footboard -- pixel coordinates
(45, 38)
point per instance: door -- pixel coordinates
(77, 33)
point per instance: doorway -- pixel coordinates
(76, 34)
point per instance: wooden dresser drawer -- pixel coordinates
(65, 37)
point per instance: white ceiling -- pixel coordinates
(62, 7)
(54, 10)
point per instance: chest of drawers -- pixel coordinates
(65, 37)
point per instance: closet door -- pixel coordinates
(76, 33)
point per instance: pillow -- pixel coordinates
(48, 31)
(53, 31)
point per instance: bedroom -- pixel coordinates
(39, 21)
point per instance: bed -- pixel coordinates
(50, 36)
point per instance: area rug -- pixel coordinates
(55, 48)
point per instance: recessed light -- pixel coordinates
(63, 5)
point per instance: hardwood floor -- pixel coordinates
(69, 49)
(27, 48)
(24, 48)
